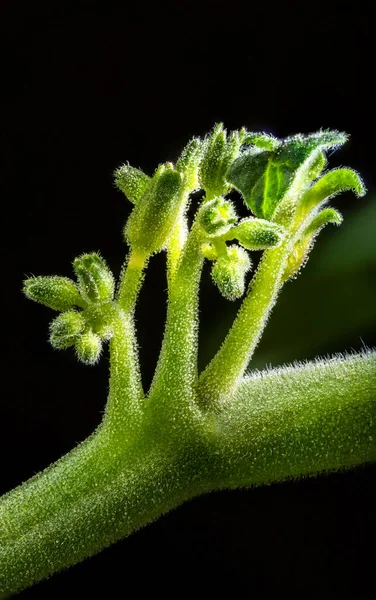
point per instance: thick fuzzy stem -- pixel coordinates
(297, 421)
(139, 494)
(286, 423)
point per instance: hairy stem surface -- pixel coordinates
(285, 423)
(223, 374)
(172, 390)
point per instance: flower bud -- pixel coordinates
(95, 280)
(188, 163)
(65, 329)
(257, 234)
(132, 182)
(58, 293)
(152, 220)
(229, 271)
(218, 154)
(216, 216)
(88, 348)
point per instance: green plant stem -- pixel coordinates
(172, 391)
(123, 410)
(132, 499)
(221, 377)
(284, 423)
(124, 406)
(121, 424)
(131, 280)
(297, 421)
(175, 247)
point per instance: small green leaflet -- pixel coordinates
(264, 176)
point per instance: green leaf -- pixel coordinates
(228, 272)
(257, 234)
(132, 182)
(261, 140)
(295, 150)
(58, 293)
(64, 330)
(331, 184)
(246, 171)
(95, 280)
(316, 166)
(264, 177)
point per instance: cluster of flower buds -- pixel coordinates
(217, 216)
(84, 329)
(278, 180)
(217, 220)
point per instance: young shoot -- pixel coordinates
(193, 432)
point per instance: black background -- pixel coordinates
(87, 87)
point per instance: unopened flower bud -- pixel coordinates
(216, 216)
(58, 293)
(152, 220)
(132, 182)
(95, 280)
(229, 271)
(218, 155)
(88, 348)
(257, 234)
(65, 329)
(189, 162)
